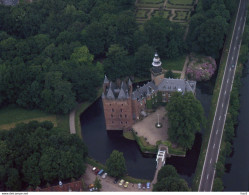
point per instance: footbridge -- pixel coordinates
(160, 159)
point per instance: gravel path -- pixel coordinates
(72, 122)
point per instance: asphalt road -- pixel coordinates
(208, 172)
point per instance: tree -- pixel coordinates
(165, 36)
(171, 184)
(44, 155)
(97, 184)
(169, 74)
(218, 185)
(117, 59)
(116, 164)
(186, 116)
(143, 60)
(167, 171)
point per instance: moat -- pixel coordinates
(101, 143)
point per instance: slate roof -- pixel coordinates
(172, 85)
(146, 89)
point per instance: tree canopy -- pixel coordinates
(116, 164)
(208, 26)
(186, 115)
(35, 154)
(169, 180)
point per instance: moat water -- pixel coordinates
(101, 143)
(236, 177)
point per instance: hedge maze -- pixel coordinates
(173, 10)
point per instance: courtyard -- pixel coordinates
(146, 128)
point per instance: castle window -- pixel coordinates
(125, 115)
(111, 115)
(110, 104)
(121, 109)
(120, 115)
(121, 122)
(112, 110)
(122, 104)
(126, 122)
(112, 122)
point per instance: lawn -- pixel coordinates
(11, 115)
(182, 15)
(165, 14)
(174, 64)
(150, 1)
(181, 2)
(142, 13)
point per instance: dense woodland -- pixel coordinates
(54, 53)
(36, 154)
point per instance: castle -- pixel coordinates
(123, 105)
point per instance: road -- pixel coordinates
(208, 172)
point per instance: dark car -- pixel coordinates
(116, 180)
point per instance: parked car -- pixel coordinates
(115, 181)
(148, 185)
(91, 186)
(121, 182)
(143, 186)
(126, 184)
(139, 185)
(96, 171)
(104, 175)
(101, 172)
(94, 168)
(233, 65)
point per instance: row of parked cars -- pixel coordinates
(100, 172)
(143, 185)
(139, 185)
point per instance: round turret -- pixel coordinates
(156, 61)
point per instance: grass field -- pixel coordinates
(164, 14)
(11, 115)
(182, 15)
(142, 13)
(174, 64)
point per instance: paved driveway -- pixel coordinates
(147, 128)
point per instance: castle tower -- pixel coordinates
(117, 104)
(156, 70)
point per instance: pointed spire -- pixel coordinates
(121, 94)
(110, 94)
(106, 79)
(156, 61)
(129, 82)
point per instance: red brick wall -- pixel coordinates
(118, 114)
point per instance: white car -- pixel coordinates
(104, 175)
(139, 185)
